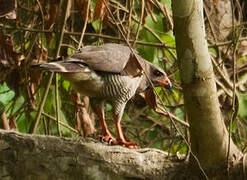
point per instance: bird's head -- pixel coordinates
(155, 74)
(158, 77)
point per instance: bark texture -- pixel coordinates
(209, 136)
(37, 157)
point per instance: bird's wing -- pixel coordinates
(109, 57)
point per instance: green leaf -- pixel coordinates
(153, 133)
(158, 26)
(147, 52)
(65, 131)
(70, 51)
(167, 3)
(6, 95)
(108, 107)
(2, 108)
(18, 103)
(50, 101)
(168, 38)
(66, 85)
(97, 25)
(243, 105)
(27, 45)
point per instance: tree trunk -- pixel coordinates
(209, 136)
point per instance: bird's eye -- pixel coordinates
(158, 73)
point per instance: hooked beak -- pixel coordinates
(165, 83)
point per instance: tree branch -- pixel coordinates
(48, 157)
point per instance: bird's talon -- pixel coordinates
(131, 145)
(110, 141)
(102, 139)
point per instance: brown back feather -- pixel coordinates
(109, 57)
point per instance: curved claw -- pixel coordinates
(111, 141)
(131, 145)
(102, 139)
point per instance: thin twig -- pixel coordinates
(175, 118)
(212, 30)
(243, 166)
(234, 96)
(225, 43)
(161, 45)
(140, 22)
(66, 15)
(131, 6)
(164, 10)
(221, 73)
(37, 119)
(57, 105)
(60, 122)
(40, 109)
(85, 24)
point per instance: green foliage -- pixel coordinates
(66, 85)
(158, 28)
(243, 106)
(2, 108)
(167, 3)
(6, 95)
(97, 24)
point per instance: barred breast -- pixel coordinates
(110, 86)
(119, 88)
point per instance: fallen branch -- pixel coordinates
(48, 157)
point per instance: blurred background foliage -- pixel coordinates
(41, 30)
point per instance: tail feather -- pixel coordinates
(62, 66)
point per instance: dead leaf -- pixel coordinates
(7, 8)
(84, 118)
(149, 9)
(8, 57)
(101, 11)
(82, 7)
(151, 99)
(50, 21)
(12, 123)
(242, 51)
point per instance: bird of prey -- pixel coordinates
(112, 73)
